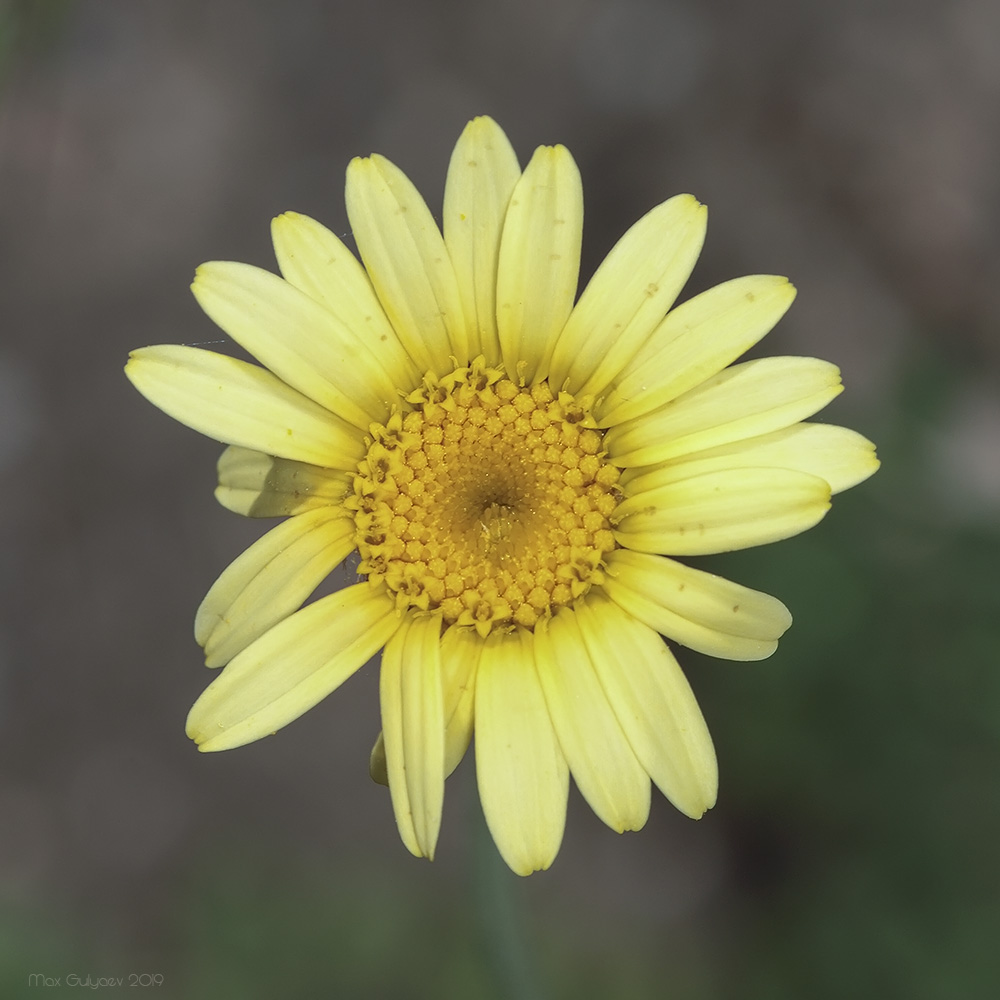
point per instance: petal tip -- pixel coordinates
(524, 869)
(358, 166)
(483, 123)
(134, 360)
(281, 223)
(689, 203)
(200, 739)
(203, 275)
(697, 808)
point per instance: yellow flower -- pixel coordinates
(513, 467)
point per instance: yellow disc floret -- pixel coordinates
(485, 500)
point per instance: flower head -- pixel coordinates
(514, 467)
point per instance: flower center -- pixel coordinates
(485, 500)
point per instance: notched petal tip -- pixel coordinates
(866, 465)
(524, 870)
(697, 813)
(135, 359)
(560, 152)
(280, 224)
(483, 125)
(198, 736)
(698, 801)
(374, 163)
(139, 355)
(555, 154)
(209, 275)
(783, 625)
(144, 364)
(357, 170)
(202, 273)
(223, 739)
(696, 212)
(289, 224)
(195, 730)
(690, 202)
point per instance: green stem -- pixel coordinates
(502, 929)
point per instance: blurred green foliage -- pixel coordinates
(29, 26)
(860, 764)
(307, 929)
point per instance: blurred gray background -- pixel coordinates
(855, 147)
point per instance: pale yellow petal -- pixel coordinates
(408, 263)
(239, 403)
(481, 177)
(721, 512)
(292, 667)
(600, 758)
(304, 344)
(539, 265)
(521, 771)
(628, 296)
(840, 456)
(744, 401)
(413, 731)
(697, 609)
(696, 341)
(377, 767)
(271, 580)
(257, 485)
(460, 652)
(654, 704)
(316, 261)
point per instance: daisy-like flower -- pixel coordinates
(515, 468)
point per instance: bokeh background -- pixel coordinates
(854, 146)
